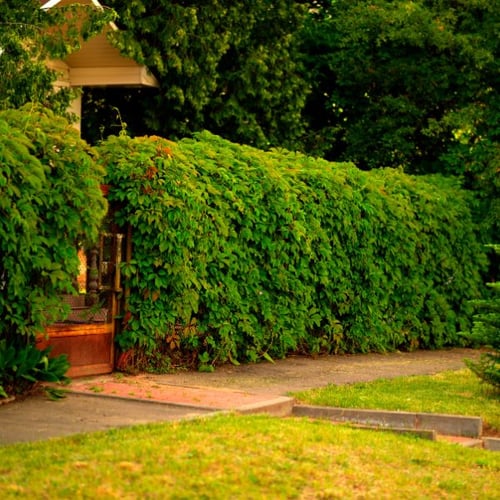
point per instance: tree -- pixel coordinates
(227, 66)
(402, 83)
(29, 36)
(486, 332)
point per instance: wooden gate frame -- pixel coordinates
(90, 346)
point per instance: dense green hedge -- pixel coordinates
(239, 254)
(50, 200)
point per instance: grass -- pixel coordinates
(230, 456)
(453, 392)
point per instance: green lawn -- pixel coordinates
(453, 392)
(250, 457)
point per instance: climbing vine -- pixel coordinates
(50, 200)
(240, 254)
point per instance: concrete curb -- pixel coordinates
(187, 406)
(491, 443)
(443, 424)
(280, 407)
(424, 425)
(421, 433)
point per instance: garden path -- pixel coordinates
(135, 399)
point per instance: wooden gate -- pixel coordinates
(87, 336)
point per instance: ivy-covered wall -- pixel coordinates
(240, 254)
(50, 200)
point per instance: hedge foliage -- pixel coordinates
(239, 253)
(50, 200)
(486, 332)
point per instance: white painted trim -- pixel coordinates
(129, 76)
(50, 4)
(53, 3)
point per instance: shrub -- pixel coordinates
(239, 254)
(50, 201)
(22, 366)
(486, 332)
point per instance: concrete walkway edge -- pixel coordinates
(464, 430)
(451, 425)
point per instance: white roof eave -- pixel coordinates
(53, 3)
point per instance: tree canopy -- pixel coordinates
(402, 83)
(227, 66)
(410, 84)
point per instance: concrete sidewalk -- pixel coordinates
(100, 403)
(38, 418)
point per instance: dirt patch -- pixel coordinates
(489, 431)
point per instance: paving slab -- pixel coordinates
(101, 403)
(37, 418)
(148, 388)
(296, 373)
(464, 441)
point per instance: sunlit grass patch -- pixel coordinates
(245, 457)
(454, 392)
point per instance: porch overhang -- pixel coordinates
(98, 63)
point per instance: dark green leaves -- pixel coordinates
(396, 83)
(269, 253)
(227, 66)
(50, 200)
(29, 37)
(21, 366)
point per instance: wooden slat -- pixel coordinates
(89, 347)
(78, 329)
(87, 370)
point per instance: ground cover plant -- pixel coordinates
(240, 254)
(452, 392)
(246, 457)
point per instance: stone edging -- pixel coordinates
(453, 425)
